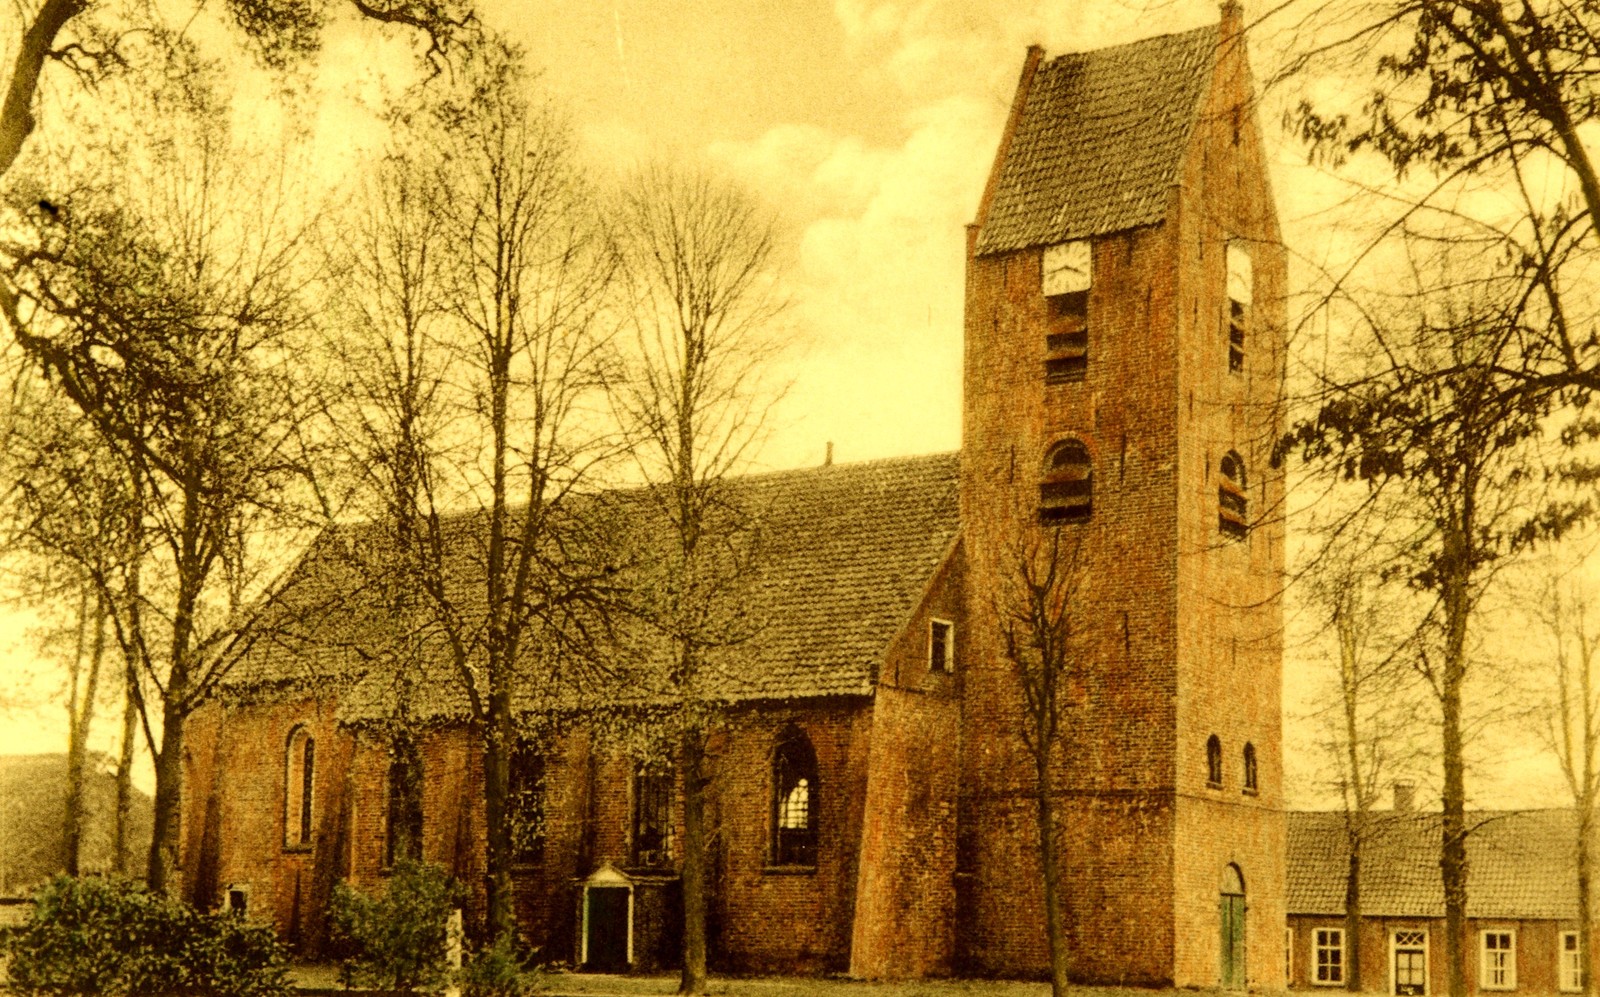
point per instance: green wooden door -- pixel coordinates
(1230, 908)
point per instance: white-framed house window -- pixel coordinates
(941, 646)
(1497, 950)
(1327, 956)
(1288, 956)
(1571, 967)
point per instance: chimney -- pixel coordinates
(827, 460)
(1405, 797)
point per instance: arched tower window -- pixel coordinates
(403, 830)
(1250, 778)
(1232, 506)
(1241, 290)
(300, 766)
(1213, 761)
(1066, 493)
(794, 800)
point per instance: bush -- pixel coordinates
(497, 971)
(93, 936)
(396, 941)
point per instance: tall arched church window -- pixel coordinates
(525, 803)
(794, 800)
(403, 838)
(1233, 507)
(300, 767)
(1213, 761)
(1067, 490)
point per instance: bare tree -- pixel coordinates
(1428, 415)
(698, 260)
(1036, 611)
(473, 376)
(1573, 729)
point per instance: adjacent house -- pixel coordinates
(871, 798)
(1522, 903)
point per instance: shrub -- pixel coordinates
(396, 941)
(93, 936)
(497, 971)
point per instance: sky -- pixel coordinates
(870, 126)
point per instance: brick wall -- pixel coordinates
(905, 894)
(1179, 629)
(1537, 952)
(1229, 643)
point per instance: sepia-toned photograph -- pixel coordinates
(823, 498)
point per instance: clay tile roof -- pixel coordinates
(845, 553)
(1100, 140)
(1521, 864)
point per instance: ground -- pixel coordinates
(557, 984)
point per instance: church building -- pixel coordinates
(871, 798)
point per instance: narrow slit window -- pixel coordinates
(1250, 776)
(1213, 761)
(1233, 507)
(1241, 292)
(941, 646)
(300, 766)
(1066, 494)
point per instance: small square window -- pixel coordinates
(1498, 951)
(1327, 956)
(1571, 962)
(941, 646)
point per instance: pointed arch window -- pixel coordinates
(1214, 761)
(794, 800)
(1066, 492)
(525, 803)
(1233, 507)
(403, 826)
(652, 814)
(300, 767)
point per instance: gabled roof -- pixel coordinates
(844, 554)
(1099, 141)
(1520, 864)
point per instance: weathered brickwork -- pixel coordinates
(905, 897)
(1179, 623)
(926, 855)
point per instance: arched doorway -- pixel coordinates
(1231, 909)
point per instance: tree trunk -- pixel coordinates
(1453, 851)
(81, 719)
(693, 980)
(496, 799)
(162, 873)
(1050, 861)
(122, 852)
(1352, 918)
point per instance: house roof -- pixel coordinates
(844, 553)
(1521, 864)
(1099, 142)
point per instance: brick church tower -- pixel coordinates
(1124, 354)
